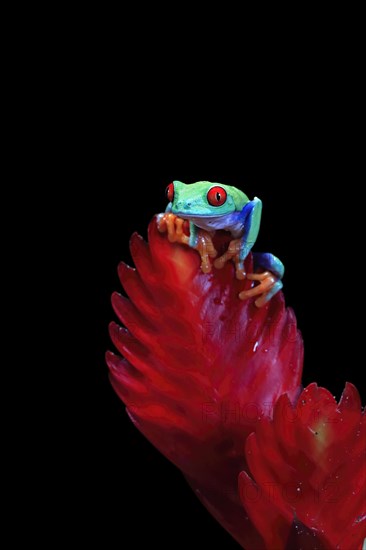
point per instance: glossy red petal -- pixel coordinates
(137, 292)
(303, 538)
(205, 366)
(262, 512)
(350, 399)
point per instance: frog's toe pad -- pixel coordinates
(268, 286)
(174, 226)
(264, 298)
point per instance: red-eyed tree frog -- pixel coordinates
(208, 207)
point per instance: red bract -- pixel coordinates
(200, 366)
(309, 464)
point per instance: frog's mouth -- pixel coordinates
(208, 223)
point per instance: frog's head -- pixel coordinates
(203, 199)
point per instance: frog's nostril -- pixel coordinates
(188, 204)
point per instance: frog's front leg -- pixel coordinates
(173, 225)
(269, 281)
(206, 250)
(197, 239)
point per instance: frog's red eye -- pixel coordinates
(216, 196)
(169, 192)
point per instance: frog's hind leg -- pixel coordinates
(269, 280)
(269, 262)
(245, 231)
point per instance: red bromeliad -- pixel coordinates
(308, 463)
(212, 364)
(200, 366)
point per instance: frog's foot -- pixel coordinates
(174, 226)
(206, 250)
(268, 286)
(232, 253)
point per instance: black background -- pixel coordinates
(307, 185)
(108, 119)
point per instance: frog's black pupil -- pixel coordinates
(218, 197)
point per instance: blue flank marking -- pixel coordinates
(270, 263)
